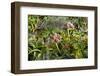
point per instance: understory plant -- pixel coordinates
(55, 37)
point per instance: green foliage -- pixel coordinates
(55, 37)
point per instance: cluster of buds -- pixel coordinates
(69, 25)
(56, 38)
(66, 46)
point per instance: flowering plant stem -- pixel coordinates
(57, 47)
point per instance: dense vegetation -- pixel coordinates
(57, 37)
